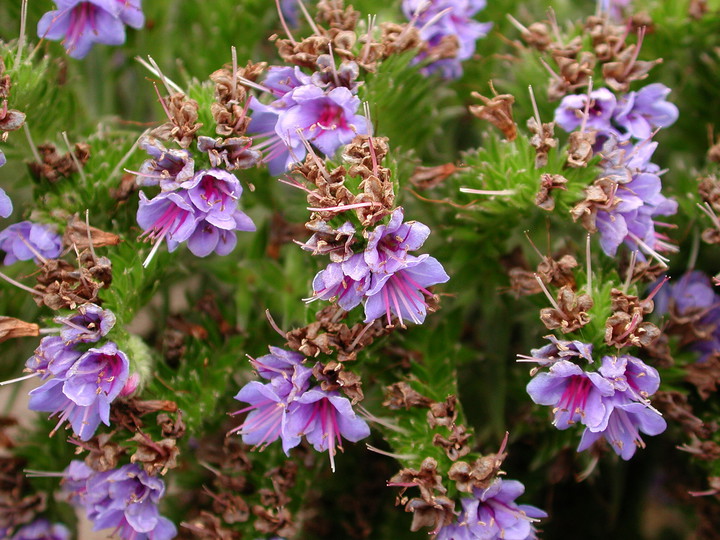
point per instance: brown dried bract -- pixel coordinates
(103, 453)
(456, 444)
(580, 149)
(549, 182)
(430, 177)
(478, 475)
(328, 336)
(398, 38)
(558, 273)
(55, 166)
(705, 376)
(537, 35)
(276, 522)
(229, 109)
(709, 189)
(303, 53)
(11, 327)
(676, 407)
(209, 526)
(401, 395)
(435, 514)
(156, 457)
(427, 480)
(498, 111)
(599, 196)
(572, 314)
(78, 234)
(443, 413)
(334, 376)
(10, 120)
(625, 327)
(542, 139)
(626, 69)
(171, 427)
(182, 125)
(336, 15)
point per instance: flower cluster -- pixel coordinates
(391, 281)
(634, 115)
(287, 408)
(124, 499)
(82, 23)
(306, 108)
(26, 240)
(41, 529)
(624, 201)
(494, 514)
(612, 402)
(694, 309)
(81, 384)
(449, 31)
(200, 208)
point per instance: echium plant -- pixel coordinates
(393, 211)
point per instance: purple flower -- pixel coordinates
(558, 349)
(631, 376)
(575, 395)
(215, 193)
(325, 119)
(269, 402)
(82, 395)
(631, 221)
(328, 121)
(168, 216)
(437, 19)
(81, 23)
(627, 419)
(267, 420)
(166, 168)
(493, 514)
(52, 357)
(26, 240)
(569, 114)
(41, 529)
(637, 200)
(89, 325)
(233, 153)
(6, 206)
(346, 282)
(389, 244)
(325, 418)
(283, 79)
(639, 113)
(693, 298)
(286, 408)
(124, 499)
(403, 292)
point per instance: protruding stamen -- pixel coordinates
(630, 270)
(273, 324)
(309, 19)
(547, 293)
(588, 259)
(283, 23)
(20, 285)
(500, 192)
(31, 143)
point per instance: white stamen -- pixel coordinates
(31, 143)
(501, 192)
(21, 39)
(547, 293)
